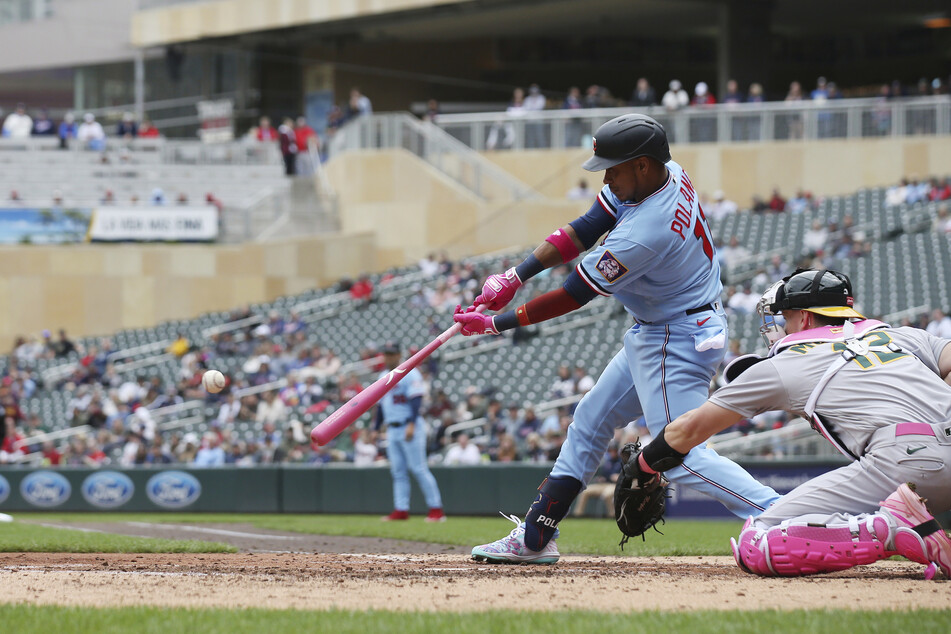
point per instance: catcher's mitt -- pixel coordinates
(639, 498)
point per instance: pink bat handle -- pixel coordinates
(330, 427)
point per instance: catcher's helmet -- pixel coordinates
(827, 293)
(627, 137)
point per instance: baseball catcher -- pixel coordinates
(640, 495)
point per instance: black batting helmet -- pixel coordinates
(628, 137)
(827, 293)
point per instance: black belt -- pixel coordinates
(399, 424)
(714, 306)
(700, 309)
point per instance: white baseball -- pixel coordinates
(213, 380)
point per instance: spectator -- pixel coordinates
(881, 115)
(815, 239)
(702, 95)
(942, 222)
(308, 146)
(147, 130)
(463, 452)
(18, 124)
(564, 385)
(776, 202)
(535, 132)
(157, 197)
(507, 451)
(64, 346)
(794, 120)
(288, 143)
(359, 104)
(127, 129)
(940, 324)
(798, 204)
(573, 99)
(755, 94)
(67, 130)
(265, 131)
(271, 410)
(583, 381)
(676, 97)
(432, 111)
(643, 95)
(362, 290)
(743, 302)
(91, 134)
(211, 454)
(580, 192)
(43, 125)
(734, 253)
(365, 450)
(721, 207)
(597, 97)
(732, 94)
(506, 129)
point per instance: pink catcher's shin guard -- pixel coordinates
(794, 550)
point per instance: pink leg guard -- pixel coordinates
(793, 550)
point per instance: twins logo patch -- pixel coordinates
(610, 267)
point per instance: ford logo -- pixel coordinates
(107, 489)
(45, 488)
(173, 489)
(4, 489)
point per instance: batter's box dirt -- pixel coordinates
(448, 582)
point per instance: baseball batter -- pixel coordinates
(879, 394)
(658, 260)
(398, 411)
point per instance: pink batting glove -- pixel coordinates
(498, 290)
(474, 323)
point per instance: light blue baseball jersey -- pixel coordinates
(395, 403)
(658, 260)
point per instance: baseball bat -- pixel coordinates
(333, 425)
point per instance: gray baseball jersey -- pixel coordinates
(872, 391)
(859, 406)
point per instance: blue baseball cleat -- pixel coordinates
(512, 549)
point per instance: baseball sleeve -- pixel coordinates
(759, 389)
(614, 264)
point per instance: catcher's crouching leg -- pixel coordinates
(798, 549)
(555, 496)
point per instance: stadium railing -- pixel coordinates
(722, 123)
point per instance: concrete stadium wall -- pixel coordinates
(414, 209)
(98, 289)
(743, 170)
(219, 18)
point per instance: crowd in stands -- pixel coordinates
(90, 133)
(257, 419)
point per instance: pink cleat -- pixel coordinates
(919, 536)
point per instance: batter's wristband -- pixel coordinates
(565, 245)
(529, 268)
(660, 456)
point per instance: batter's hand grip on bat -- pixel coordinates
(333, 425)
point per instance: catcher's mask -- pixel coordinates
(826, 293)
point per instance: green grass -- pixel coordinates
(66, 620)
(581, 536)
(19, 537)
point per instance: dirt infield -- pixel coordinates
(382, 574)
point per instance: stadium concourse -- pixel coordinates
(135, 397)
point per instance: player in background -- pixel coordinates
(398, 412)
(879, 394)
(658, 260)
